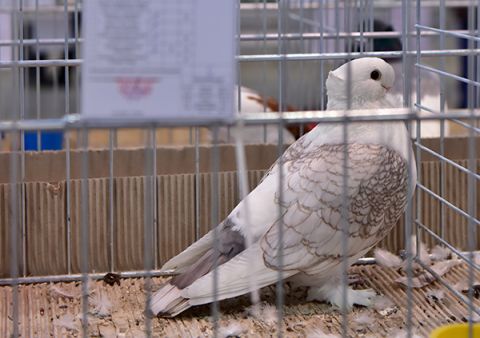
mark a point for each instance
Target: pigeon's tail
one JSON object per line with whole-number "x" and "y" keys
{"x": 168, "y": 301}
{"x": 194, "y": 286}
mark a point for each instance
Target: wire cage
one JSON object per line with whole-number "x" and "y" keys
{"x": 90, "y": 211}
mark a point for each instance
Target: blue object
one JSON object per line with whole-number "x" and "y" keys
{"x": 50, "y": 140}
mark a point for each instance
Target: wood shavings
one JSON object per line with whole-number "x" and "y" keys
{"x": 133, "y": 332}
{"x": 426, "y": 278}
{"x": 443, "y": 267}
{"x": 384, "y": 306}
{"x": 66, "y": 321}
{"x": 234, "y": 329}
{"x": 108, "y": 331}
{"x": 318, "y": 333}
{"x": 91, "y": 319}
{"x": 403, "y": 334}
{"x": 387, "y": 259}
{"x": 475, "y": 318}
{"x": 436, "y": 294}
{"x": 440, "y": 253}
{"x": 101, "y": 304}
{"x": 62, "y": 292}
{"x": 463, "y": 287}
{"x": 363, "y": 319}
{"x": 300, "y": 319}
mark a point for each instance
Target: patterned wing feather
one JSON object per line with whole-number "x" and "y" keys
{"x": 314, "y": 183}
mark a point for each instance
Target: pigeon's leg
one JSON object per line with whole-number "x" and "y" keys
{"x": 332, "y": 293}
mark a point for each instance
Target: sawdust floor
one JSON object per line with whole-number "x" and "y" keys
{"x": 43, "y": 312}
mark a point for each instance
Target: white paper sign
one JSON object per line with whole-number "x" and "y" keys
{"x": 159, "y": 58}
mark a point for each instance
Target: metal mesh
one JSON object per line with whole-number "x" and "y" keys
{"x": 91, "y": 199}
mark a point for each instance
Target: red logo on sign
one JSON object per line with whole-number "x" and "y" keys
{"x": 135, "y": 88}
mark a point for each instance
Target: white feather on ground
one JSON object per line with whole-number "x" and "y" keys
{"x": 66, "y": 321}
{"x": 423, "y": 254}
{"x": 383, "y": 305}
{"x": 403, "y": 334}
{"x": 387, "y": 259}
{"x": 318, "y": 333}
{"x": 58, "y": 291}
{"x": 102, "y": 305}
{"x": 364, "y": 319}
{"x": 233, "y": 329}
{"x": 436, "y": 294}
{"x": 426, "y": 278}
{"x": 265, "y": 313}
{"x": 462, "y": 286}
{"x": 440, "y": 253}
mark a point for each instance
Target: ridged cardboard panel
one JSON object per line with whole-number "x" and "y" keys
{"x": 176, "y": 213}
{"x": 97, "y": 224}
{"x": 6, "y": 229}
{"x": 46, "y": 237}
{"x": 129, "y": 223}
{"x": 46, "y": 228}
{"x": 50, "y": 166}
{"x": 455, "y": 225}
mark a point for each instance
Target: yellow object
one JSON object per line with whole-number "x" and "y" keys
{"x": 455, "y": 331}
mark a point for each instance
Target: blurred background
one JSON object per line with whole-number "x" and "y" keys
{"x": 314, "y": 31}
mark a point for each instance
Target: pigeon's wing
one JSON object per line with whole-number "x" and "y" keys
{"x": 190, "y": 255}
{"x": 263, "y": 192}
{"x": 234, "y": 278}
{"x": 376, "y": 191}
{"x": 293, "y": 153}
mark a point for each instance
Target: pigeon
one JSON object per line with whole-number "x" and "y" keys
{"x": 252, "y": 102}
{"x": 380, "y": 174}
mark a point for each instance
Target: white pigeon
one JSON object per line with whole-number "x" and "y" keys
{"x": 312, "y": 202}
{"x": 252, "y": 102}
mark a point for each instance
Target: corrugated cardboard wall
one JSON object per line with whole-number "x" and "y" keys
{"x": 46, "y": 237}
{"x": 456, "y": 192}
{"x": 6, "y": 218}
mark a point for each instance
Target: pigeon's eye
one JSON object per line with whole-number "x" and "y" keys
{"x": 375, "y": 75}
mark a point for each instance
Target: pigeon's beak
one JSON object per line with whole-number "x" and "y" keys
{"x": 386, "y": 88}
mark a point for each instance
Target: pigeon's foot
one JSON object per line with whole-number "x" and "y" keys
{"x": 333, "y": 295}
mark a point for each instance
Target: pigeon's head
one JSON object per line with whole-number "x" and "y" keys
{"x": 370, "y": 79}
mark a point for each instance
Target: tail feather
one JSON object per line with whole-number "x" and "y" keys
{"x": 168, "y": 301}
{"x": 176, "y": 309}
{"x": 190, "y": 255}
